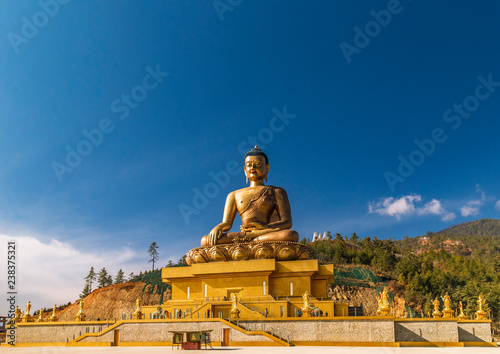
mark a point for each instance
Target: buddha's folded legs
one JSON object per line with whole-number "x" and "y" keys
{"x": 281, "y": 235}
{"x": 226, "y": 237}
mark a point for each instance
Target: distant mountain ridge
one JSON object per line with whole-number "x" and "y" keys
{"x": 481, "y": 227}
{"x": 479, "y": 239}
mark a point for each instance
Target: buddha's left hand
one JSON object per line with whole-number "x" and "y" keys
{"x": 253, "y": 225}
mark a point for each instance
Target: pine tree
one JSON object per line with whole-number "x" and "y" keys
{"x": 120, "y": 277}
{"x": 131, "y": 276}
{"x": 109, "y": 280}
{"x": 182, "y": 261}
{"x": 102, "y": 278}
{"x": 85, "y": 291}
{"x": 153, "y": 253}
{"x": 354, "y": 238}
{"x": 90, "y": 278}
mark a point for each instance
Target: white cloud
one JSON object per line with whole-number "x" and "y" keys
{"x": 434, "y": 207}
{"x": 395, "y": 207}
{"x": 497, "y": 205}
{"x": 406, "y": 206}
{"x": 472, "y": 206}
{"x": 52, "y": 273}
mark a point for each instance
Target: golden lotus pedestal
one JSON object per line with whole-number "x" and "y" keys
{"x": 262, "y": 286}
{"x": 384, "y": 311}
{"x": 481, "y": 315}
{"x": 280, "y": 250}
{"x": 447, "y": 313}
{"x": 27, "y": 318}
{"x": 437, "y": 314}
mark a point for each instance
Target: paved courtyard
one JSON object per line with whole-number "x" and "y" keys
{"x": 258, "y": 350}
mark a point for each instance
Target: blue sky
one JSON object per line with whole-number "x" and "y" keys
{"x": 171, "y": 92}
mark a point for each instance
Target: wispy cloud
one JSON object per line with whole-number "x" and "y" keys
{"x": 434, "y": 207}
{"x": 497, "y": 205}
{"x": 472, "y": 207}
{"x": 406, "y": 205}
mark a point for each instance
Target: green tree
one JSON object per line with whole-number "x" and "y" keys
{"x": 109, "y": 280}
{"x": 102, "y": 278}
{"x": 85, "y": 291}
{"x": 120, "y": 277}
{"x": 182, "y": 261}
{"x": 354, "y": 238}
{"x": 90, "y": 278}
{"x": 131, "y": 276}
{"x": 153, "y": 253}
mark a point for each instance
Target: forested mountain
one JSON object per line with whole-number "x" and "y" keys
{"x": 463, "y": 260}
{"x": 482, "y": 227}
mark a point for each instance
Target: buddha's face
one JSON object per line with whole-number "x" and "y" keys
{"x": 256, "y": 168}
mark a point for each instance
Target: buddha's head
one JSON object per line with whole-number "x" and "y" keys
{"x": 256, "y": 165}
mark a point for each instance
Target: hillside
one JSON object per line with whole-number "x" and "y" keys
{"x": 463, "y": 260}
{"x": 482, "y": 227}
{"x": 110, "y": 302}
{"x": 477, "y": 239}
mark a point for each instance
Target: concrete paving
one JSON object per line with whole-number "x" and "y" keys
{"x": 255, "y": 350}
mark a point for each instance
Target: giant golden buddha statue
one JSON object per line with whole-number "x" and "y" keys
{"x": 266, "y": 217}
{"x": 264, "y": 210}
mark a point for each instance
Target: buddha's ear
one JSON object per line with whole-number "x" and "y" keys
{"x": 244, "y": 170}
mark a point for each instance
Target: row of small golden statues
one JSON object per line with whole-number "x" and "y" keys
{"x": 448, "y": 312}
{"x": 384, "y": 308}
{"x": 25, "y": 317}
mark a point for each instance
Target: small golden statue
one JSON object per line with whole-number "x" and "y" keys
{"x": 306, "y": 309}
{"x": 18, "y": 314}
{"x": 384, "y": 307}
{"x": 53, "y": 317}
{"x": 447, "y": 311}
{"x": 462, "y": 314}
{"x": 80, "y": 316}
{"x": 266, "y": 218}
{"x": 436, "y": 313}
{"x": 480, "y": 313}
{"x": 235, "y": 312}
{"x": 40, "y": 316}
{"x": 26, "y": 317}
{"x": 138, "y": 310}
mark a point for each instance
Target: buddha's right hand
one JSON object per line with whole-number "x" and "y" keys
{"x": 214, "y": 235}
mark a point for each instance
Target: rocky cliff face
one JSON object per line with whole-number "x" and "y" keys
{"x": 368, "y": 298}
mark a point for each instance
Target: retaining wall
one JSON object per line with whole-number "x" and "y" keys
{"x": 300, "y": 331}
